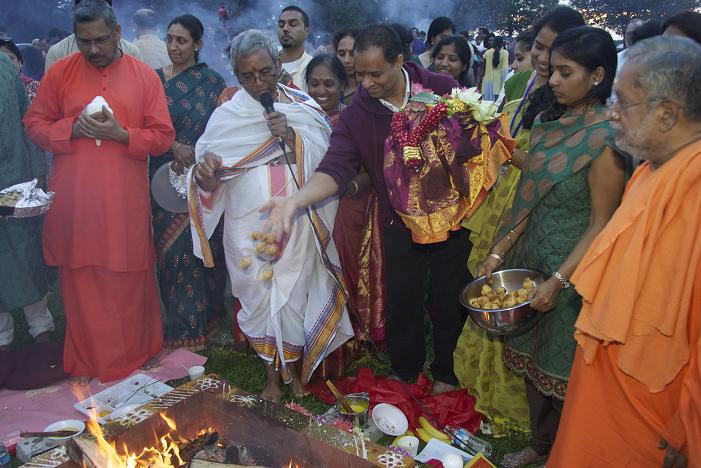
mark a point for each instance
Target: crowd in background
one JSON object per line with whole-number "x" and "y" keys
{"x": 573, "y": 106}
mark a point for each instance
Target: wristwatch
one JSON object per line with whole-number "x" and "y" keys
{"x": 565, "y": 284}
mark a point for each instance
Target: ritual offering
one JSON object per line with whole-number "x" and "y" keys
{"x": 501, "y": 304}
{"x": 442, "y": 157}
{"x": 499, "y": 298}
{"x": 25, "y": 200}
{"x": 267, "y": 247}
{"x": 96, "y": 110}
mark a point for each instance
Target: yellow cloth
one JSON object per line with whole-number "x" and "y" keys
{"x": 479, "y": 366}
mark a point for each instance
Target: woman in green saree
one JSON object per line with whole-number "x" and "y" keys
{"x": 192, "y": 295}
{"x": 570, "y": 186}
{"x": 479, "y": 365}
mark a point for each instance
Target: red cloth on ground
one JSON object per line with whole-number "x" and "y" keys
{"x": 113, "y": 321}
{"x": 456, "y": 408}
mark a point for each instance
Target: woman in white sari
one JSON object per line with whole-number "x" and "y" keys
{"x": 293, "y": 307}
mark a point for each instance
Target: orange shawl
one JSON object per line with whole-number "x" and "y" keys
{"x": 636, "y": 280}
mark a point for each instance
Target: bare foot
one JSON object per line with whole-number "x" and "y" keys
{"x": 151, "y": 364}
{"x": 80, "y": 380}
{"x": 272, "y": 391}
{"x": 523, "y": 457}
{"x": 442, "y": 387}
{"x": 296, "y": 384}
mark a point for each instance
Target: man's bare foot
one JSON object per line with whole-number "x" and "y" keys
{"x": 80, "y": 381}
{"x": 43, "y": 337}
{"x": 442, "y": 387}
{"x": 272, "y": 391}
{"x": 151, "y": 364}
{"x": 296, "y": 384}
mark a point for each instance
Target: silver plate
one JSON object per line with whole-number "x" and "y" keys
{"x": 163, "y": 192}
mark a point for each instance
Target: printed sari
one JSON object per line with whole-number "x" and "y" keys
{"x": 192, "y": 295}
{"x": 554, "y": 201}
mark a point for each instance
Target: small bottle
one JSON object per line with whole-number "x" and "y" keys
{"x": 4, "y": 457}
{"x": 470, "y": 443}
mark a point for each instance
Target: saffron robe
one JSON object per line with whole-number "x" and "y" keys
{"x": 101, "y": 216}
{"x": 636, "y": 376}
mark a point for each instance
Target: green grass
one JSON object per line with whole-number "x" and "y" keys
{"x": 246, "y": 371}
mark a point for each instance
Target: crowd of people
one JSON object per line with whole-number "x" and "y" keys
{"x": 284, "y": 204}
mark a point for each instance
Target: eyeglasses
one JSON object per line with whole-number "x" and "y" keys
{"x": 100, "y": 41}
{"x": 615, "y": 105}
{"x": 263, "y": 76}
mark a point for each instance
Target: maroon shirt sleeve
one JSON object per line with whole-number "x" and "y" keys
{"x": 342, "y": 159}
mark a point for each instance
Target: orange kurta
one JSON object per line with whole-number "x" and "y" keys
{"x": 98, "y": 231}
{"x": 636, "y": 376}
{"x": 101, "y": 215}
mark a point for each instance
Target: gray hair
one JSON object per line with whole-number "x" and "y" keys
{"x": 669, "y": 68}
{"x": 88, "y": 11}
{"x": 251, "y": 41}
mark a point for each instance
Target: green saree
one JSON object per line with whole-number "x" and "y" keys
{"x": 553, "y": 195}
{"x": 193, "y": 295}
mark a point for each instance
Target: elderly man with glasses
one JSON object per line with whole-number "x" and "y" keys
{"x": 293, "y": 308}
{"x": 634, "y": 397}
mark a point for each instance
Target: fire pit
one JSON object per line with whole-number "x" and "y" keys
{"x": 206, "y": 424}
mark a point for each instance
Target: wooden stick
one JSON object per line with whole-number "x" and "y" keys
{"x": 63, "y": 433}
{"x": 340, "y": 398}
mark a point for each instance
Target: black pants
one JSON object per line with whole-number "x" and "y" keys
{"x": 407, "y": 267}
{"x": 545, "y": 418}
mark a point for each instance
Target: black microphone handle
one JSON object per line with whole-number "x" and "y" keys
{"x": 266, "y": 100}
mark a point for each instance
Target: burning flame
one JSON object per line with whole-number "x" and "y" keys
{"x": 164, "y": 453}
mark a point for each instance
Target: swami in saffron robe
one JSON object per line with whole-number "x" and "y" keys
{"x": 636, "y": 376}
{"x": 98, "y": 231}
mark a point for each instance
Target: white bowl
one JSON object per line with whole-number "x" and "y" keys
{"x": 195, "y": 372}
{"x": 390, "y": 419}
{"x": 65, "y": 425}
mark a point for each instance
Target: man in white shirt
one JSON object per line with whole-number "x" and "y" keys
{"x": 292, "y": 31}
{"x": 153, "y": 50}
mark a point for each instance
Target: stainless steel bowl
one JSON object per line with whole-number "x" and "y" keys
{"x": 502, "y": 321}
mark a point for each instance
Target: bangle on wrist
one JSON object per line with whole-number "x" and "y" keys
{"x": 496, "y": 257}
{"x": 356, "y": 187}
{"x": 563, "y": 282}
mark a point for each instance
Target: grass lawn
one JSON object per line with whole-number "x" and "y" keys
{"x": 246, "y": 371}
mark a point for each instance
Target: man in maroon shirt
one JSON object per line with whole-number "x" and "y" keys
{"x": 358, "y": 139}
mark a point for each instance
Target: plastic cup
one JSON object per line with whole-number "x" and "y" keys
{"x": 195, "y": 372}
{"x": 410, "y": 444}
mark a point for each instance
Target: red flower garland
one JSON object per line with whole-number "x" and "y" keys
{"x": 409, "y": 143}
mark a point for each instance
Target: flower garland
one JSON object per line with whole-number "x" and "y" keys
{"x": 460, "y": 101}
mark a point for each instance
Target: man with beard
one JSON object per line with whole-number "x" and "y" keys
{"x": 634, "y": 397}
{"x": 98, "y": 231}
{"x": 358, "y": 140}
{"x": 69, "y": 45}
{"x": 292, "y": 31}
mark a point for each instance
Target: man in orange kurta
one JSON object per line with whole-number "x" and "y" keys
{"x": 634, "y": 397}
{"x": 98, "y": 231}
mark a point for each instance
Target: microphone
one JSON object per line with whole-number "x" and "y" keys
{"x": 266, "y": 100}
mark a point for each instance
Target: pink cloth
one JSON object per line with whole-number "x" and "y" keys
{"x": 33, "y": 410}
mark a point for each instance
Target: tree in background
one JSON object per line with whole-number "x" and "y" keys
{"x": 616, "y": 14}
{"x": 507, "y": 16}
